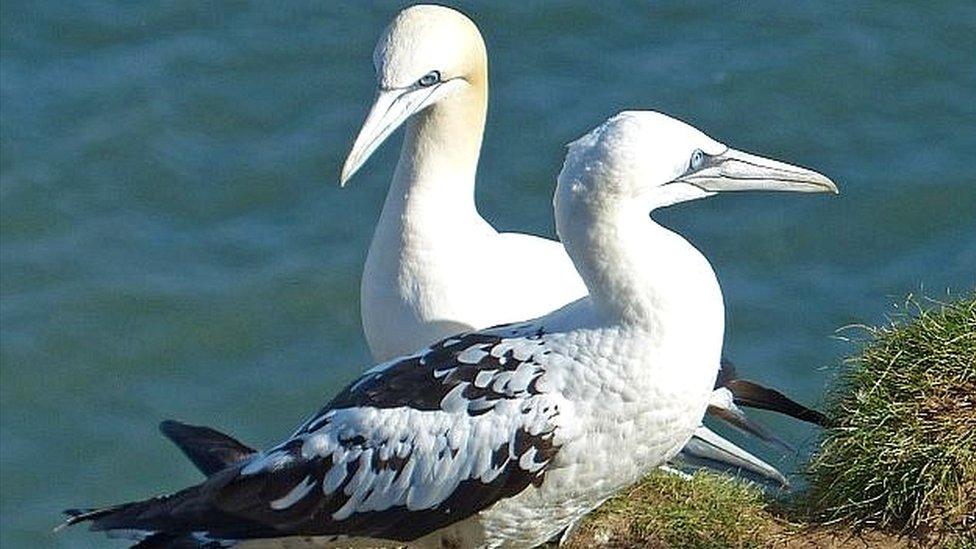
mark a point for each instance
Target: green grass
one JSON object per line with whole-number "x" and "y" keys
{"x": 664, "y": 510}
{"x": 902, "y": 455}
{"x": 898, "y": 468}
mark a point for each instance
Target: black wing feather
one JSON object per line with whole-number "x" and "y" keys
{"x": 208, "y": 449}
{"x": 753, "y": 395}
{"x": 235, "y": 501}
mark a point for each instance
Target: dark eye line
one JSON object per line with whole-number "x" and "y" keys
{"x": 429, "y": 79}
{"x": 707, "y": 161}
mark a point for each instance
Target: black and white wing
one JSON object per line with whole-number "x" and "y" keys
{"x": 412, "y": 446}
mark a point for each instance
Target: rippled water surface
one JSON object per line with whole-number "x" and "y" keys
{"x": 174, "y": 242}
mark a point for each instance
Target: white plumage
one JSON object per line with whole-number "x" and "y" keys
{"x": 435, "y": 267}
{"x": 506, "y": 436}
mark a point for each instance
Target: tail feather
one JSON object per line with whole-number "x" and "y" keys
{"x": 74, "y": 516}
{"x": 733, "y": 415}
{"x": 170, "y": 541}
{"x": 151, "y": 515}
{"x": 209, "y": 450}
{"x": 185, "y": 518}
{"x": 176, "y": 519}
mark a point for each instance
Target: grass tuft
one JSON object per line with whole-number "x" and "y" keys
{"x": 902, "y": 455}
{"x": 665, "y": 510}
{"x": 897, "y": 469}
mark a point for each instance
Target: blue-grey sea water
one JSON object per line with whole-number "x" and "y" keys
{"x": 175, "y": 243}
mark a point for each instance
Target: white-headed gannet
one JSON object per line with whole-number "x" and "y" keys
{"x": 435, "y": 266}
{"x": 506, "y": 436}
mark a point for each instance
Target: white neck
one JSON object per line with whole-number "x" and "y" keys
{"x": 429, "y": 219}
{"x": 435, "y": 176}
{"x": 637, "y": 272}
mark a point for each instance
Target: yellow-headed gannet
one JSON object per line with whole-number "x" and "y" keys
{"x": 505, "y": 436}
{"x": 435, "y": 266}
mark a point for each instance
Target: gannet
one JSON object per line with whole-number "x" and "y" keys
{"x": 211, "y": 450}
{"x": 435, "y": 266}
{"x": 506, "y": 436}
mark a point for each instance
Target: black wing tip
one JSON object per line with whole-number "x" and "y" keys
{"x": 168, "y": 425}
{"x": 208, "y": 449}
{"x": 172, "y": 429}
{"x": 754, "y": 395}
{"x": 818, "y": 418}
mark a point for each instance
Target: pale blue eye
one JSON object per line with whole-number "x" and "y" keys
{"x": 697, "y": 159}
{"x": 429, "y": 79}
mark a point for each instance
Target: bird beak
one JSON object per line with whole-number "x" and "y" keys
{"x": 735, "y": 170}
{"x": 390, "y": 109}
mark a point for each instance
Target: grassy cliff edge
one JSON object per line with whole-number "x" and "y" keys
{"x": 897, "y": 470}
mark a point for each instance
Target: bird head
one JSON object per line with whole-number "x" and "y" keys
{"x": 651, "y": 159}
{"x": 426, "y": 54}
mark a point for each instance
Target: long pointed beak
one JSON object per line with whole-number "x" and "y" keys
{"x": 735, "y": 170}
{"x": 390, "y": 109}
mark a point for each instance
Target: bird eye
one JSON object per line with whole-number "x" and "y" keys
{"x": 429, "y": 79}
{"x": 697, "y": 159}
